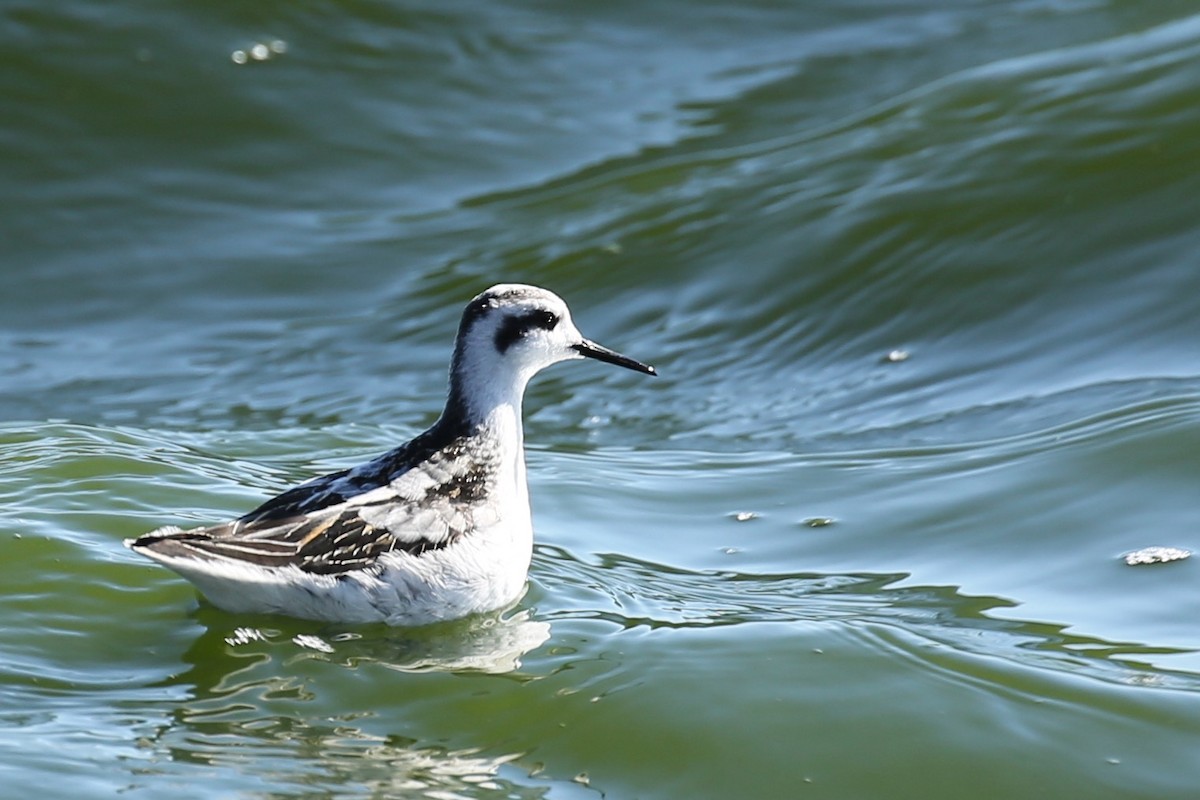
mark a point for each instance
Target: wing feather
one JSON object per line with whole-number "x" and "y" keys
{"x": 340, "y": 539}
{"x": 406, "y": 500}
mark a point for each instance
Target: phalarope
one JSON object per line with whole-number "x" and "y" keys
{"x": 436, "y": 529}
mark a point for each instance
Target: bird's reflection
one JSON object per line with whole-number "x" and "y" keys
{"x": 491, "y": 644}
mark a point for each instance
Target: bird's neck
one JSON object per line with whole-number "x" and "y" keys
{"x": 489, "y": 414}
{"x": 481, "y": 398}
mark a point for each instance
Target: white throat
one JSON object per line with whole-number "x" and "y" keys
{"x": 487, "y": 403}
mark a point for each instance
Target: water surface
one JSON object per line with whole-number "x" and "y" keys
{"x": 789, "y": 566}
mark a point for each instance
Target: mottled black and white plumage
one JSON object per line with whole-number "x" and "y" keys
{"x": 435, "y": 529}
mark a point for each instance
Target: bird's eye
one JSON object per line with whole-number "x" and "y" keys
{"x": 545, "y": 319}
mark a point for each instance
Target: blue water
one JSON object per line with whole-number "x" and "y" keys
{"x": 790, "y": 565}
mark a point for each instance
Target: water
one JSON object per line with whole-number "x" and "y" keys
{"x": 787, "y": 567}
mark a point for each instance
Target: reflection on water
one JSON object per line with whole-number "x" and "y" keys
{"x": 280, "y": 752}
{"x": 488, "y": 644}
{"x": 252, "y": 685}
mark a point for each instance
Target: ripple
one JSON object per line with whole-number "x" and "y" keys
{"x": 633, "y": 594}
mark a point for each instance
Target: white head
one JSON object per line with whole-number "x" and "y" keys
{"x": 507, "y": 335}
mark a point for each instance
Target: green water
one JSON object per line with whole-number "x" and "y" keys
{"x": 788, "y": 567}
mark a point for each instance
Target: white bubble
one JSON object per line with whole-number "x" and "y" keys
{"x": 1156, "y": 555}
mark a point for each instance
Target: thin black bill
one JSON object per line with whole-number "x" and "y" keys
{"x": 600, "y": 353}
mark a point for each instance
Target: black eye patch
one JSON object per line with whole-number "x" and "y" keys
{"x": 543, "y": 319}
{"x": 517, "y": 326}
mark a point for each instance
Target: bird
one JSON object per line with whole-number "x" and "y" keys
{"x": 436, "y": 529}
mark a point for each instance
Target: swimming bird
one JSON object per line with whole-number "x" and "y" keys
{"x": 436, "y": 529}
